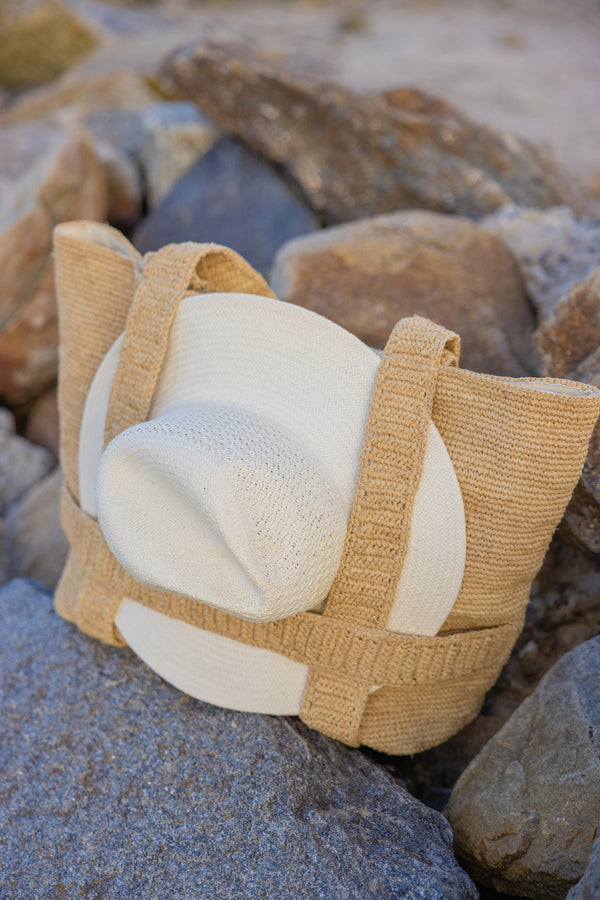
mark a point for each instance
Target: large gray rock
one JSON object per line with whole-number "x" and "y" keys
{"x": 356, "y": 155}
{"x": 232, "y": 197}
{"x": 525, "y": 812}
{"x": 553, "y": 248}
{"x": 35, "y": 542}
{"x": 115, "y": 784}
{"x": 21, "y": 464}
{"x": 3, "y": 555}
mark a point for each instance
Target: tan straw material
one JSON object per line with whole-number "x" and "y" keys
{"x": 517, "y": 448}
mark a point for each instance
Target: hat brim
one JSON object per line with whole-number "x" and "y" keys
{"x": 314, "y": 379}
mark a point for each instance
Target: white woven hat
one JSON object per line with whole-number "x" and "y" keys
{"x": 237, "y": 492}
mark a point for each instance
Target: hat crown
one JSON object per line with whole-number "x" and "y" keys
{"x": 235, "y": 512}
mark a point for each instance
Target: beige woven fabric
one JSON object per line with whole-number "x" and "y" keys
{"x": 517, "y": 447}
{"x": 95, "y": 281}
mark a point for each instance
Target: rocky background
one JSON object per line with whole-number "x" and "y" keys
{"x": 292, "y": 132}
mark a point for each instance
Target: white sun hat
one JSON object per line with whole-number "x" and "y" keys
{"x": 238, "y": 489}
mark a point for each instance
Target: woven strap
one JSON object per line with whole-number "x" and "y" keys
{"x": 375, "y": 656}
{"x": 167, "y": 276}
{"x": 377, "y": 538}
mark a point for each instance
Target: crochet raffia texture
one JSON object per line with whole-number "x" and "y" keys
{"x": 517, "y": 453}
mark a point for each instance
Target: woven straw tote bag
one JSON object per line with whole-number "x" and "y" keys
{"x": 517, "y": 447}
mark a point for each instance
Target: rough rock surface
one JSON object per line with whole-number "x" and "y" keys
{"x": 142, "y": 786}
{"x": 589, "y": 886}
{"x": 525, "y": 812}
{"x": 39, "y": 41}
{"x": 553, "y": 247}
{"x": 569, "y": 341}
{"x": 572, "y": 332}
{"x": 176, "y": 135}
{"x": 76, "y": 95}
{"x": 35, "y": 543}
{"x": 367, "y": 275}
{"x": 3, "y": 555}
{"x": 231, "y": 197}
{"x": 21, "y": 464}
{"x": 411, "y": 99}
{"x": 47, "y": 176}
{"x": 356, "y": 155}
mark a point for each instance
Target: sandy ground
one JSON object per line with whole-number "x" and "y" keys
{"x": 528, "y": 66}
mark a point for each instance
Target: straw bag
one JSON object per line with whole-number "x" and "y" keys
{"x": 514, "y": 449}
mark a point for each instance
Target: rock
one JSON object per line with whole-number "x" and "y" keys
{"x": 47, "y": 176}
{"x": 35, "y": 543}
{"x": 526, "y": 810}
{"x": 124, "y": 192}
{"x": 589, "y": 886}
{"x": 3, "y": 555}
{"x": 569, "y": 342}
{"x": 160, "y": 143}
{"x": 42, "y": 422}
{"x": 412, "y": 99}
{"x": 581, "y": 522}
{"x": 39, "y": 42}
{"x": 75, "y": 96}
{"x": 21, "y": 464}
{"x": 175, "y": 136}
{"x": 369, "y": 274}
{"x": 122, "y": 127}
{"x": 554, "y": 249}
{"x": 231, "y": 197}
{"x": 356, "y": 155}
{"x": 572, "y": 331}
{"x": 139, "y": 784}
{"x": 164, "y": 139}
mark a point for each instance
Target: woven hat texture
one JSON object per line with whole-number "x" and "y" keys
{"x": 515, "y": 447}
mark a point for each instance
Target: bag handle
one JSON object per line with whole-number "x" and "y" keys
{"x": 167, "y": 276}
{"x": 376, "y": 543}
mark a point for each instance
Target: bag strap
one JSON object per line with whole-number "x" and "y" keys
{"x": 391, "y": 465}
{"x": 94, "y": 584}
{"x": 167, "y": 276}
